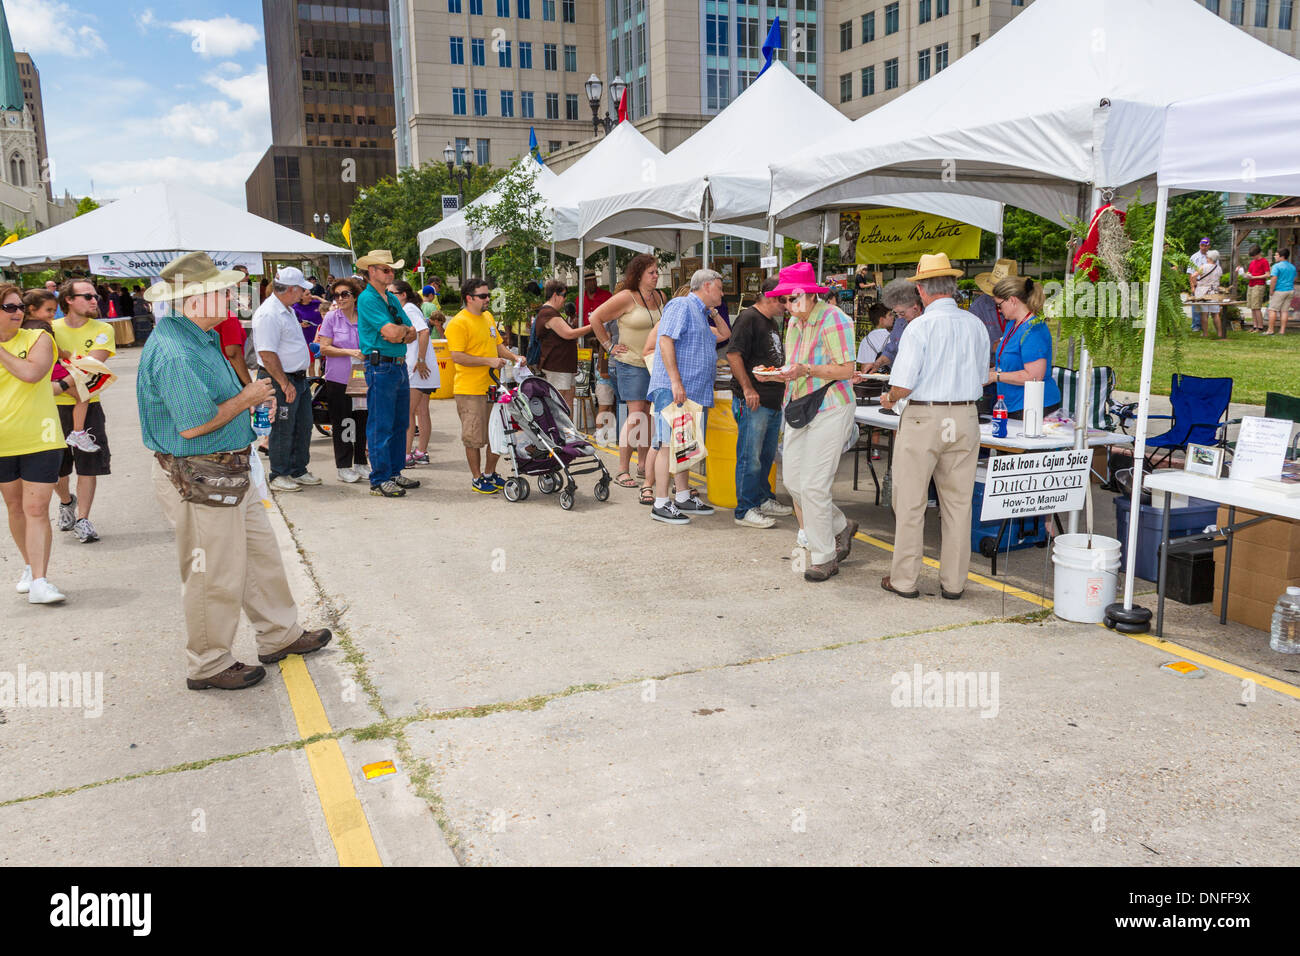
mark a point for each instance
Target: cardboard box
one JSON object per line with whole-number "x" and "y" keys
{"x": 1254, "y": 585}
{"x": 1243, "y": 610}
{"x": 1280, "y": 533}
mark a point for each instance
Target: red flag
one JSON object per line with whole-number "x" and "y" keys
{"x": 622, "y": 106}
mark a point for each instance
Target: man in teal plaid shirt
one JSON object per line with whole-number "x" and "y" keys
{"x": 191, "y": 404}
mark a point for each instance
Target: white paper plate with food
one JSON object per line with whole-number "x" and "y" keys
{"x": 769, "y": 372}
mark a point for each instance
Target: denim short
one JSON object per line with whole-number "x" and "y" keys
{"x": 660, "y": 399}
{"x": 632, "y": 382}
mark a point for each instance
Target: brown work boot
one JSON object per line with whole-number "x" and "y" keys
{"x": 844, "y": 541}
{"x": 822, "y": 572}
{"x": 235, "y": 677}
{"x": 308, "y": 642}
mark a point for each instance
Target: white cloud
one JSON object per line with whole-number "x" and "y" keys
{"x": 51, "y": 26}
{"x": 219, "y": 37}
{"x": 145, "y": 20}
{"x": 223, "y": 177}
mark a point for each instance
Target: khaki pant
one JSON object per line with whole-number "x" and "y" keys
{"x": 940, "y": 442}
{"x": 810, "y": 457}
{"x": 229, "y": 559}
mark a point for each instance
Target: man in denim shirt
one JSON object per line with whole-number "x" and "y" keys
{"x": 685, "y": 368}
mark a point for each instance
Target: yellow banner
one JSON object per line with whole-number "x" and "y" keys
{"x": 894, "y": 236}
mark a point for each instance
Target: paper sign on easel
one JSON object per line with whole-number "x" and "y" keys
{"x": 1040, "y": 483}
{"x": 1261, "y": 448}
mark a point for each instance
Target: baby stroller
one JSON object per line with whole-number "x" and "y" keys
{"x": 530, "y": 427}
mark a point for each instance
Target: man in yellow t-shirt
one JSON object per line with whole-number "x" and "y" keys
{"x": 80, "y": 332}
{"x": 474, "y": 342}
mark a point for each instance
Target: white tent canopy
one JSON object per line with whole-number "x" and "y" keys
{"x": 454, "y": 231}
{"x": 165, "y": 217}
{"x": 1250, "y": 149}
{"x": 1069, "y": 92}
{"x": 740, "y": 141}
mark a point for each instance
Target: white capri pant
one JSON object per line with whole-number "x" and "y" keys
{"x": 810, "y": 459}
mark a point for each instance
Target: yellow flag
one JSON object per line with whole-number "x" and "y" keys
{"x": 312, "y": 234}
{"x": 347, "y": 231}
{"x": 12, "y": 237}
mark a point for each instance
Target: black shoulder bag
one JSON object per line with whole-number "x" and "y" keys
{"x": 801, "y": 412}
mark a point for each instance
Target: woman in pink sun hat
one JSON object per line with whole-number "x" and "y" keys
{"x": 818, "y": 409}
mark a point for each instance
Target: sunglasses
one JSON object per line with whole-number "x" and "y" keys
{"x": 83, "y": 295}
{"x": 11, "y": 307}
{"x": 343, "y": 295}
{"x": 479, "y": 295}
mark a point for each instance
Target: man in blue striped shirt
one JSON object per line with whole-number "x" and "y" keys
{"x": 191, "y": 405}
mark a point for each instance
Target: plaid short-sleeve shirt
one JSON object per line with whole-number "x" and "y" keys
{"x": 825, "y": 338}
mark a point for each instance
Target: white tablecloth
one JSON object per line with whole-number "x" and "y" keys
{"x": 876, "y": 417}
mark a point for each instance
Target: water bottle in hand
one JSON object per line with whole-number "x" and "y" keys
{"x": 1286, "y": 623}
{"x": 1000, "y": 418}
{"x": 262, "y": 419}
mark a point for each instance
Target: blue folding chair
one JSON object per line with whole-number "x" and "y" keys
{"x": 1200, "y": 412}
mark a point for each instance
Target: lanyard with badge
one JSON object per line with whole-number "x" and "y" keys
{"x": 1006, "y": 339}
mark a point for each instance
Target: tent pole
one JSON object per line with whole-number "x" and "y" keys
{"x": 677, "y": 251}
{"x": 1138, "y": 619}
{"x": 582, "y": 285}
{"x": 704, "y": 263}
{"x": 552, "y": 258}
{"x": 771, "y": 238}
{"x": 821, "y": 248}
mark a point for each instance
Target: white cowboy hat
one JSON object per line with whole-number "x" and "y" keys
{"x": 934, "y": 266}
{"x": 1001, "y": 270}
{"x": 193, "y": 273}
{"x": 379, "y": 257}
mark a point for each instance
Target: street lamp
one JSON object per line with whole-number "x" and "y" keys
{"x": 318, "y": 219}
{"x": 461, "y": 172}
{"x": 594, "y": 87}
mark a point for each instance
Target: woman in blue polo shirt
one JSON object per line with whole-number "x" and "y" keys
{"x": 1024, "y": 353}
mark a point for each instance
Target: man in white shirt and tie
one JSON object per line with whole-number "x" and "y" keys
{"x": 940, "y": 371}
{"x": 283, "y": 357}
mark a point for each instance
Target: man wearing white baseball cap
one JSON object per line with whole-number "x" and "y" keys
{"x": 283, "y": 357}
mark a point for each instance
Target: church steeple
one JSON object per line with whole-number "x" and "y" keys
{"x": 11, "y": 87}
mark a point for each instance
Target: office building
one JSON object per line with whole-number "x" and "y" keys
{"x": 330, "y": 74}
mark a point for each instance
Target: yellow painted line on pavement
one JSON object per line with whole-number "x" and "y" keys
{"x": 344, "y": 817}
{"x": 1169, "y": 647}
{"x": 1160, "y": 644}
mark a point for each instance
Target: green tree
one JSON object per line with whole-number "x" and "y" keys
{"x": 85, "y": 204}
{"x": 392, "y": 213}
{"x": 1029, "y": 238}
{"x": 1195, "y": 215}
{"x": 517, "y": 217}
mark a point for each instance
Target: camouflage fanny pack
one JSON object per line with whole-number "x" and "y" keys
{"x": 220, "y": 480}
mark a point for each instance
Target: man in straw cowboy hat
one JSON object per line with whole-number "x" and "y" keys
{"x": 383, "y": 330}
{"x": 941, "y": 368}
{"x": 194, "y": 417}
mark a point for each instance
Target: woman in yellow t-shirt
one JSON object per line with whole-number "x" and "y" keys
{"x": 31, "y": 443}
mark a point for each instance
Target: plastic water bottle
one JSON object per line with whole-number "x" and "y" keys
{"x": 1286, "y": 623}
{"x": 262, "y": 420}
{"x": 1000, "y": 418}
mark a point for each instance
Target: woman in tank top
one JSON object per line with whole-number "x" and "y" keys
{"x": 637, "y": 306}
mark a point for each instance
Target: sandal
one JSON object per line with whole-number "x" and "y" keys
{"x": 624, "y": 480}
{"x": 640, "y": 473}
{"x": 647, "y": 494}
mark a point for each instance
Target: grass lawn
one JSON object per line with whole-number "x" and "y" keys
{"x": 1255, "y": 363}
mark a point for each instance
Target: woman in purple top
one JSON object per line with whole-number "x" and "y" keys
{"x": 339, "y": 347}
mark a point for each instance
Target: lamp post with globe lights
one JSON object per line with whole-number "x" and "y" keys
{"x": 460, "y": 174}
{"x": 593, "y": 88}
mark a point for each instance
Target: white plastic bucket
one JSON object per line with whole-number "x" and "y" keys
{"x": 1085, "y": 578}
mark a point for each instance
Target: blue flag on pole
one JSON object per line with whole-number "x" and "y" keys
{"x": 771, "y": 45}
{"x": 532, "y": 145}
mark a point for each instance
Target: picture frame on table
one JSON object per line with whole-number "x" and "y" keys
{"x": 727, "y": 266}
{"x": 1204, "y": 460}
{"x": 751, "y": 280}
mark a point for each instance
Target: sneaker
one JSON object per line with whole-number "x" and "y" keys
{"x": 25, "y": 582}
{"x": 307, "y": 478}
{"x": 67, "y": 514}
{"x": 348, "y": 475}
{"x": 774, "y": 509}
{"x": 403, "y": 482}
{"x": 284, "y": 483}
{"x": 669, "y": 514}
{"x": 410, "y": 461}
{"x": 822, "y": 572}
{"x": 483, "y": 486}
{"x": 363, "y": 471}
{"x": 85, "y": 532}
{"x": 756, "y": 519}
{"x": 43, "y": 592}
{"x": 388, "y": 489}
{"x": 82, "y": 441}
{"x": 844, "y": 541}
{"x": 694, "y": 506}
{"x": 496, "y": 479}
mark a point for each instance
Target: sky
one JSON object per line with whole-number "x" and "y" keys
{"x": 137, "y": 93}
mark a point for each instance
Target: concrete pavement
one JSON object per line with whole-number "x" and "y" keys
{"x": 593, "y": 687}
